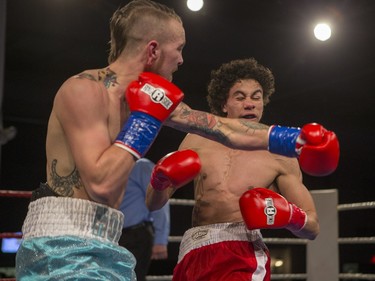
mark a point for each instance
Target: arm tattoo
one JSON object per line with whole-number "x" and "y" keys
{"x": 64, "y": 185}
{"x": 252, "y": 125}
{"x": 199, "y": 122}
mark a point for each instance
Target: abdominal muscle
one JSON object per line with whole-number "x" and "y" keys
{"x": 216, "y": 207}
{"x": 219, "y": 186}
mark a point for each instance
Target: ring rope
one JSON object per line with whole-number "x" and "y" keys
{"x": 190, "y": 202}
{"x": 280, "y": 241}
{"x": 345, "y": 276}
{"x": 357, "y": 240}
{"x": 297, "y": 276}
{"x": 299, "y": 241}
{"x": 357, "y": 276}
{"x": 15, "y": 193}
{"x": 10, "y": 235}
{"x": 182, "y": 202}
{"x": 356, "y": 206}
{"x": 340, "y": 207}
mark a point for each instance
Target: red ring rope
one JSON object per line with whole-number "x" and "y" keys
{"x": 10, "y": 235}
{"x": 15, "y": 193}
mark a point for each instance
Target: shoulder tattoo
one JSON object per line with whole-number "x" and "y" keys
{"x": 85, "y": 75}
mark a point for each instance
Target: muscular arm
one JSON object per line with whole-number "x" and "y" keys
{"x": 81, "y": 108}
{"x": 155, "y": 200}
{"x": 290, "y": 185}
{"x": 234, "y": 133}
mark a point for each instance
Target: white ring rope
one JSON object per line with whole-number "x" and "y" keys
{"x": 340, "y": 207}
{"x": 299, "y": 276}
{"x": 277, "y": 241}
{"x": 356, "y": 206}
{"x": 357, "y": 276}
{"x": 182, "y": 202}
{"x": 299, "y": 241}
{"x": 283, "y": 241}
{"x": 357, "y": 240}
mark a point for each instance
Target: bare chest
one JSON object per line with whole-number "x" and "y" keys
{"x": 234, "y": 171}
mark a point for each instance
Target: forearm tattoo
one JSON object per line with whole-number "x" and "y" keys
{"x": 202, "y": 122}
{"x": 63, "y": 186}
{"x": 252, "y": 125}
{"x": 211, "y": 126}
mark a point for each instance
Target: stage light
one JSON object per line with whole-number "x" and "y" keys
{"x": 279, "y": 263}
{"x": 322, "y": 31}
{"x": 195, "y": 5}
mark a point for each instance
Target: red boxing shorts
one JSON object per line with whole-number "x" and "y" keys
{"x": 225, "y": 251}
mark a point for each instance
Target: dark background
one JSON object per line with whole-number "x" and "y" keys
{"x": 328, "y": 82}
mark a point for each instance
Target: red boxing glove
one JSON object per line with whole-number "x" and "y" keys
{"x": 320, "y": 154}
{"x": 176, "y": 169}
{"x": 153, "y": 95}
{"x": 262, "y": 208}
{"x": 151, "y": 100}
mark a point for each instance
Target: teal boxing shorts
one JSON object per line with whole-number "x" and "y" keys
{"x": 72, "y": 239}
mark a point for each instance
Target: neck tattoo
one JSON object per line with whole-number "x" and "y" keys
{"x": 108, "y": 77}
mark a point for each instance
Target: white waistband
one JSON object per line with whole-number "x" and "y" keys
{"x": 200, "y": 236}
{"x": 56, "y": 216}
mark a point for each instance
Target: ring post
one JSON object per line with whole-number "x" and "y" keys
{"x": 323, "y": 253}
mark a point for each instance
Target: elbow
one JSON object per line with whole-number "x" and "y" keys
{"x": 106, "y": 195}
{"x": 152, "y": 206}
{"x": 312, "y": 236}
{"x": 148, "y": 204}
{"x": 313, "y": 233}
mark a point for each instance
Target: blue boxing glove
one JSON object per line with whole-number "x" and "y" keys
{"x": 285, "y": 141}
{"x": 316, "y": 148}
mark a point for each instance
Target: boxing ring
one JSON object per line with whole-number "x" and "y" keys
{"x": 322, "y": 254}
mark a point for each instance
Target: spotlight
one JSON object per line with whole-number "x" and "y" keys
{"x": 322, "y": 31}
{"x": 195, "y": 5}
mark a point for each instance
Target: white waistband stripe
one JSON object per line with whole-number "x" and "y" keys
{"x": 56, "y": 216}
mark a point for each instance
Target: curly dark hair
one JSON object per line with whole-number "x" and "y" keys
{"x": 223, "y": 78}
